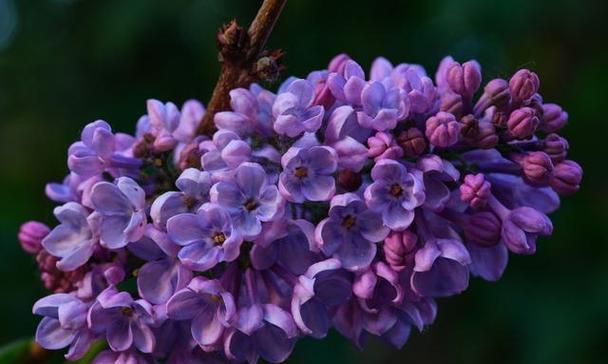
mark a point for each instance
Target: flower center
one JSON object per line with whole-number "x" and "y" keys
{"x": 396, "y": 190}
{"x": 219, "y": 238}
{"x": 349, "y": 221}
{"x": 127, "y": 311}
{"x": 301, "y": 172}
{"x": 189, "y": 201}
{"x": 251, "y": 204}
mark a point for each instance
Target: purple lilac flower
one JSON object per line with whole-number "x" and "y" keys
{"x": 207, "y": 305}
{"x": 251, "y": 111}
{"x": 72, "y": 241}
{"x": 237, "y": 241}
{"x": 294, "y": 111}
{"x": 124, "y": 321}
{"x": 120, "y": 207}
{"x": 193, "y": 185}
{"x": 322, "y": 287}
{"x": 395, "y": 194}
{"x": 351, "y": 232}
{"x": 100, "y": 150}
{"x": 164, "y": 273}
{"x": 307, "y": 174}
{"x": 249, "y": 199}
{"x": 207, "y": 237}
{"x": 64, "y": 324}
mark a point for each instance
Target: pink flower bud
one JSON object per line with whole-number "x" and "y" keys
{"x": 399, "y": 248}
{"x": 383, "y": 146}
{"x": 554, "y": 118}
{"x": 495, "y": 93}
{"x": 412, "y": 142}
{"x": 566, "y": 178}
{"x": 475, "y": 190}
{"x": 556, "y": 147}
{"x": 464, "y": 79}
{"x": 31, "y": 234}
{"x": 523, "y": 85}
{"x": 483, "y": 228}
{"x": 338, "y": 63}
{"x": 452, "y": 103}
{"x": 537, "y": 167}
{"x": 487, "y": 137}
{"x": 522, "y": 123}
{"x": 442, "y": 130}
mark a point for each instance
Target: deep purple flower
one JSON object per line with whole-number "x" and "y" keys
{"x": 120, "y": 206}
{"x": 209, "y": 307}
{"x": 441, "y": 268}
{"x": 287, "y": 243}
{"x": 351, "y": 232}
{"x": 224, "y": 153}
{"x": 123, "y": 357}
{"x": 323, "y": 286}
{"x": 420, "y": 90}
{"x": 124, "y": 321}
{"x": 521, "y": 226}
{"x": 163, "y": 274}
{"x": 73, "y": 240}
{"x": 307, "y": 174}
{"x": 207, "y": 237}
{"x": 294, "y": 111}
{"x": 348, "y": 86}
{"x": 249, "y": 199}
{"x": 436, "y": 174}
{"x": 193, "y": 185}
{"x": 395, "y": 194}
{"x": 64, "y": 324}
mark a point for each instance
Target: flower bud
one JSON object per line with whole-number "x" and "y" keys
{"x": 483, "y": 228}
{"x": 537, "y": 167}
{"x": 399, "y": 248}
{"x": 464, "y": 79}
{"x": 522, "y": 123}
{"x": 412, "y": 142}
{"x": 452, "y": 103}
{"x": 349, "y": 180}
{"x": 31, "y": 234}
{"x": 469, "y": 128}
{"x": 495, "y": 93}
{"x": 554, "y": 118}
{"x": 338, "y": 63}
{"x": 556, "y": 147}
{"x": 190, "y": 156}
{"x": 383, "y": 146}
{"x": 475, "y": 190}
{"x": 566, "y": 178}
{"x": 536, "y": 102}
{"x": 442, "y": 130}
{"x": 523, "y": 85}
{"x": 487, "y": 137}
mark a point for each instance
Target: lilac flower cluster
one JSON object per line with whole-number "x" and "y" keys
{"x": 345, "y": 200}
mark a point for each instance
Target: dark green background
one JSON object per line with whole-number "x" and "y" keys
{"x": 65, "y": 63}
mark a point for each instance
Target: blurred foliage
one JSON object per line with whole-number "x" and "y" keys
{"x": 64, "y": 63}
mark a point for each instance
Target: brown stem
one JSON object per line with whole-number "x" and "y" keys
{"x": 239, "y": 54}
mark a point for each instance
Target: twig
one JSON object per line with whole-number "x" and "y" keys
{"x": 243, "y": 59}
